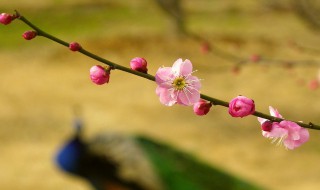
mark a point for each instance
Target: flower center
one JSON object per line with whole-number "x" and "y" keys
{"x": 179, "y": 83}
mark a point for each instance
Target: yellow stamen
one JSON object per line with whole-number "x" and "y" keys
{"x": 179, "y": 83}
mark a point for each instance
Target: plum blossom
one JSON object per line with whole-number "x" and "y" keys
{"x": 176, "y": 85}
{"x": 296, "y": 135}
{"x": 288, "y": 133}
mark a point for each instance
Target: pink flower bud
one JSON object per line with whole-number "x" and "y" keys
{"x": 139, "y": 64}
{"x": 236, "y": 69}
{"x": 205, "y": 47}
{"x": 255, "y": 58}
{"x": 6, "y": 18}
{"x": 313, "y": 84}
{"x": 28, "y": 35}
{"x": 241, "y": 106}
{"x": 201, "y": 107}
{"x": 99, "y": 75}
{"x": 266, "y": 126}
{"x": 74, "y": 46}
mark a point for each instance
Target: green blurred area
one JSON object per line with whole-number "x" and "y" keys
{"x": 42, "y": 83}
{"x": 181, "y": 171}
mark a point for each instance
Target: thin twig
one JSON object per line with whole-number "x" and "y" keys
{"x": 214, "y": 101}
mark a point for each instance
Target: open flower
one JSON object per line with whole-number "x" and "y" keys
{"x": 176, "y": 85}
{"x": 288, "y": 133}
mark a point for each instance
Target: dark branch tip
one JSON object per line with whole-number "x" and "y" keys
{"x": 311, "y": 124}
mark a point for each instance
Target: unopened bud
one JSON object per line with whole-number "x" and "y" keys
{"x": 74, "y": 46}
{"x": 99, "y": 75}
{"x": 29, "y": 35}
{"x": 201, "y": 107}
{"x": 139, "y": 64}
{"x": 313, "y": 84}
{"x": 205, "y": 47}
{"x": 266, "y": 126}
{"x": 6, "y": 18}
{"x": 241, "y": 106}
{"x": 255, "y": 58}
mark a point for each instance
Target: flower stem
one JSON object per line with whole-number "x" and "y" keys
{"x": 214, "y": 101}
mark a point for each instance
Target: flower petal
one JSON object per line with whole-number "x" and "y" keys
{"x": 182, "y": 68}
{"x": 163, "y": 76}
{"x": 166, "y": 96}
{"x": 304, "y": 135}
{"x": 274, "y": 112}
{"x": 261, "y": 120}
{"x": 193, "y": 82}
{"x": 276, "y": 132}
{"x": 289, "y": 143}
{"x": 188, "y": 97}
{"x": 296, "y": 136}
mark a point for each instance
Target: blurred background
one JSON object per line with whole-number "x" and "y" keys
{"x": 42, "y": 83}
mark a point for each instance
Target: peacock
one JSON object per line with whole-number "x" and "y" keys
{"x": 113, "y": 161}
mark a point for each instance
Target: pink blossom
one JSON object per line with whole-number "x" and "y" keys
{"x": 287, "y": 132}
{"x": 201, "y": 107}
{"x": 99, "y": 75}
{"x": 241, "y": 106}
{"x": 6, "y": 18}
{"x": 176, "y": 85}
{"x": 274, "y": 131}
{"x": 29, "y": 35}
{"x": 296, "y": 135}
{"x": 74, "y": 46}
{"x": 139, "y": 64}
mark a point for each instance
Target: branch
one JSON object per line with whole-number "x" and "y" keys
{"x": 115, "y": 66}
{"x": 241, "y": 61}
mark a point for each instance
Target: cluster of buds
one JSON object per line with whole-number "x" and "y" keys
{"x": 6, "y": 19}
{"x": 101, "y": 75}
